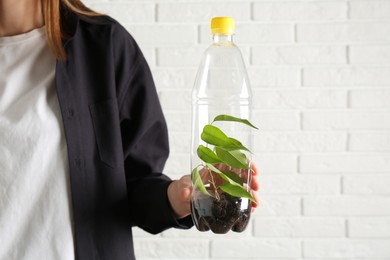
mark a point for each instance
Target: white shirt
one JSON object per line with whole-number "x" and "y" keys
{"x": 35, "y": 209}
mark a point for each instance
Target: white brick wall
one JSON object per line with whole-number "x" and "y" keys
{"x": 320, "y": 73}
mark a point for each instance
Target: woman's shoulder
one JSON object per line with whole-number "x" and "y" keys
{"x": 98, "y": 19}
{"x": 98, "y": 22}
{"x": 103, "y": 26}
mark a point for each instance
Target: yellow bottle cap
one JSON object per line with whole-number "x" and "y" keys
{"x": 222, "y": 25}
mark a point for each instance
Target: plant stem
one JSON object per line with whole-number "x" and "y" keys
{"x": 213, "y": 184}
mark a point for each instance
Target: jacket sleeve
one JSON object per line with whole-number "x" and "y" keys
{"x": 146, "y": 149}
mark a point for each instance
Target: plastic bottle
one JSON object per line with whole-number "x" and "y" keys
{"x": 221, "y": 87}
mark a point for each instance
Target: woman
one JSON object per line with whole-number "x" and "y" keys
{"x": 83, "y": 139}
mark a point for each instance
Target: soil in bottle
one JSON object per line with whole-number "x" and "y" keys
{"x": 221, "y": 215}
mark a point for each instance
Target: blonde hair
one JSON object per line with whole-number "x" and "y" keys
{"x": 55, "y": 27}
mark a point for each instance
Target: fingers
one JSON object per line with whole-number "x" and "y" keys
{"x": 254, "y": 169}
{"x": 256, "y": 197}
{"x": 255, "y": 183}
{"x": 255, "y": 180}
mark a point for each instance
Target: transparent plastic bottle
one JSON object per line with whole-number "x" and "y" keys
{"x": 221, "y": 87}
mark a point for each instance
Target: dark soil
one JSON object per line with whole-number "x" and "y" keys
{"x": 220, "y": 215}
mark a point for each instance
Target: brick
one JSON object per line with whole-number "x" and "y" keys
{"x": 200, "y": 12}
{"x": 162, "y": 34}
{"x": 127, "y": 13}
{"x": 255, "y": 248}
{"x": 177, "y": 165}
{"x": 180, "y": 142}
{"x": 174, "y": 78}
{"x": 377, "y": 227}
{"x": 299, "y": 99}
{"x": 149, "y": 54}
{"x": 276, "y": 121}
{"x": 370, "y": 141}
{"x": 370, "y": 9}
{"x": 289, "y": 258}
{"x": 250, "y": 33}
{"x": 194, "y": 233}
{"x": 346, "y": 206}
{"x": 343, "y": 248}
{"x": 185, "y": 248}
{"x": 299, "y": 227}
{"x": 182, "y": 56}
{"x": 369, "y": 98}
{"x": 299, "y": 55}
{"x": 139, "y": 233}
{"x": 284, "y": 258}
{"x": 178, "y": 121}
{"x": 327, "y": 258}
{"x": 274, "y": 78}
{"x": 276, "y": 164}
{"x": 299, "y": 11}
{"x": 346, "y": 76}
{"x": 161, "y": 258}
{"x": 370, "y": 54}
{"x": 278, "y": 206}
{"x": 175, "y": 99}
{"x": 294, "y": 184}
{"x": 343, "y": 32}
{"x": 367, "y": 185}
{"x": 345, "y": 163}
{"x": 299, "y": 142}
{"x": 346, "y": 120}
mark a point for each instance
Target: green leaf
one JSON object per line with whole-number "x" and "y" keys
{"x": 223, "y": 176}
{"x": 236, "y": 191}
{"x": 235, "y": 145}
{"x": 207, "y": 155}
{"x": 228, "y": 176}
{"x": 234, "y": 177}
{"x": 212, "y": 168}
{"x": 235, "y": 159}
{"x": 213, "y": 135}
{"x": 197, "y": 181}
{"x": 233, "y": 119}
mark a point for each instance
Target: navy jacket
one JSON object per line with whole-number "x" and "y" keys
{"x": 116, "y": 137}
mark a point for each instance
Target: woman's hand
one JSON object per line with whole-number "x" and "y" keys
{"x": 255, "y": 186}
{"x": 179, "y": 194}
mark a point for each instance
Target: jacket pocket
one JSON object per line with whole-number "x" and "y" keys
{"x": 105, "y": 118}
